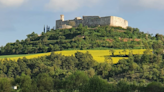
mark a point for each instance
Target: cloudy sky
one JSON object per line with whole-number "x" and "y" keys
{"x": 21, "y": 17}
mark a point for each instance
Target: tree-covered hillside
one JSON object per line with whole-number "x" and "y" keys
{"x": 103, "y": 37}
{"x": 81, "y": 73}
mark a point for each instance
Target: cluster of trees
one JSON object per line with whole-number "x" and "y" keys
{"x": 76, "y": 82}
{"x": 80, "y": 38}
{"x": 46, "y": 29}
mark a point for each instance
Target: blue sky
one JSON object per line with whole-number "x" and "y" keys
{"x": 21, "y": 17}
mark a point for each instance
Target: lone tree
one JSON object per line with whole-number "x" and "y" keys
{"x": 44, "y": 29}
{"x": 80, "y": 25}
{"x": 112, "y": 52}
{"x": 124, "y": 51}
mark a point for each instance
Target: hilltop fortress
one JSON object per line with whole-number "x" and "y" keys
{"x": 91, "y": 21}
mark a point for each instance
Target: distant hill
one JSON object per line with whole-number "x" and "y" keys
{"x": 81, "y": 38}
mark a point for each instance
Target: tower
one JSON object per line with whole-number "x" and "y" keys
{"x": 62, "y": 17}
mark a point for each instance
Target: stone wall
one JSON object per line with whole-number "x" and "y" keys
{"x": 59, "y": 23}
{"x": 95, "y": 21}
{"x": 119, "y": 22}
{"x": 92, "y": 21}
{"x": 65, "y": 26}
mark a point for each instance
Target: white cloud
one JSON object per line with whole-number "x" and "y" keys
{"x": 69, "y": 5}
{"x": 123, "y": 5}
{"x": 11, "y": 3}
{"x": 142, "y": 4}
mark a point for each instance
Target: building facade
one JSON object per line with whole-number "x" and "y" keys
{"x": 91, "y": 21}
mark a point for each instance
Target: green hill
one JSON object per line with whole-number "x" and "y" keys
{"x": 81, "y": 38}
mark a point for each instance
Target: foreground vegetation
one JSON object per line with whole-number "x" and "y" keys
{"x": 81, "y": 73}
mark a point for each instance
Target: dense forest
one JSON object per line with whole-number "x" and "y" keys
{"x": 81, "y": 73}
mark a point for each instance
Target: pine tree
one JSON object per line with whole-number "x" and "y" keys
{"x": 44, "y": 29}
{"x": 47, "y": 28}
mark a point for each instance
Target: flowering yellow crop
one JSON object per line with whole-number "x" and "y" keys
{"x": 98, "y": 55}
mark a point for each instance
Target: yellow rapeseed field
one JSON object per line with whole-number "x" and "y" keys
{"x": 98, "y": 55}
